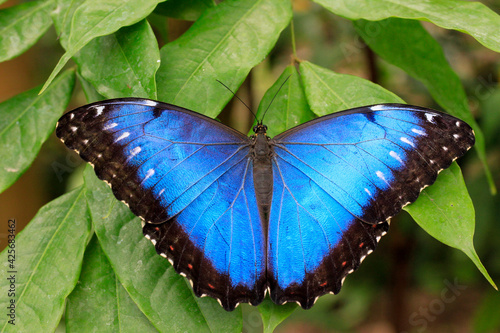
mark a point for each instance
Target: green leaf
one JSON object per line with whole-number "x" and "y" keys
{"x": 472, "y": 18}
{"x": 135, "y": 56}
{"x": 62, "y": 16}
{"x": 224, "y": 44}
{"x": 423, "y": 59}
{"x": 99, "y": 302}
{"x": 90, "y": 93}
{"x": 163, "y": 296}
{"x": 272, "y": 314}
{"x": 22, "y": 25}
{"x": 96, "y": 18}
{"x": 188, "y": 10}
{"x": 445, "y": 211}
{"x": 329, "y": 92}
{"x": 48, "y": 259}
{"x": 26, "y": 122}
{"x": 289, "y": 108}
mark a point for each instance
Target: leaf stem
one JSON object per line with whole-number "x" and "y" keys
{"x": 294, "y": 50}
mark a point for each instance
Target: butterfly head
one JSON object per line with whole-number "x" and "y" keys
{"x": 260, "y": 129}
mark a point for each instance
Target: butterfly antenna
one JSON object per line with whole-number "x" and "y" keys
{"x": 275, "y": 96}
{"x": 238, "y": 99}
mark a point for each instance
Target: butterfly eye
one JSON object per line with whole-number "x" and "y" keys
{"x": 255, "y": 128}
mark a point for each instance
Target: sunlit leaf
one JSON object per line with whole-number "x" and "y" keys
{"x": 135, "y": 56}
{"x": 272, "y": 314}
{"x": 224, "y": 44}
{"x": 48, "y": 259}
{"x": 99, "y": 302}
{"x": 93, "y": 19}
{"x": 329, "y": 92}
{"x": 445, "y": 211}
{"x": 22, "y": 25}
{"x": 473, "y": 18}
{"x": 289, "y": 108}
{"x": 26, "y": 122}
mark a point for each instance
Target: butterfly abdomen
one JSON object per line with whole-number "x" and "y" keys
{"x": 262, "y": 173}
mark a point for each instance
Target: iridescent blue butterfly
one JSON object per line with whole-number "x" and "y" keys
{"x": 239, "y": 216}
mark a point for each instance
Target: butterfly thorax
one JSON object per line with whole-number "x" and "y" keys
{"x": 261, "y": 153}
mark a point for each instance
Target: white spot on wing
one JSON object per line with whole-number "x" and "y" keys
{"x": 98, "y": 110}
{"x": 73, "y": 128}
{"x": 380, "y": 175}
{"x": 161, "y": 192}
{"x": 445, "y": 148}
{"x": 377, "y": 107}
{"x": 150, "y": 102}
{"x": 456, "y": 136}
{"x": 405, "y": 140}
{"x": 123, "y": 136}
{"x": 419, "y": 132}
{"x": 395, "y": 156}
{"x": 133, "y": 152}
{"x": 430, "y": 117}
{"x": 110, "y": 126}
{"x": 367, "y": 191}
{"x": 71, "y": 116}
{"x": 149, "y": 173}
